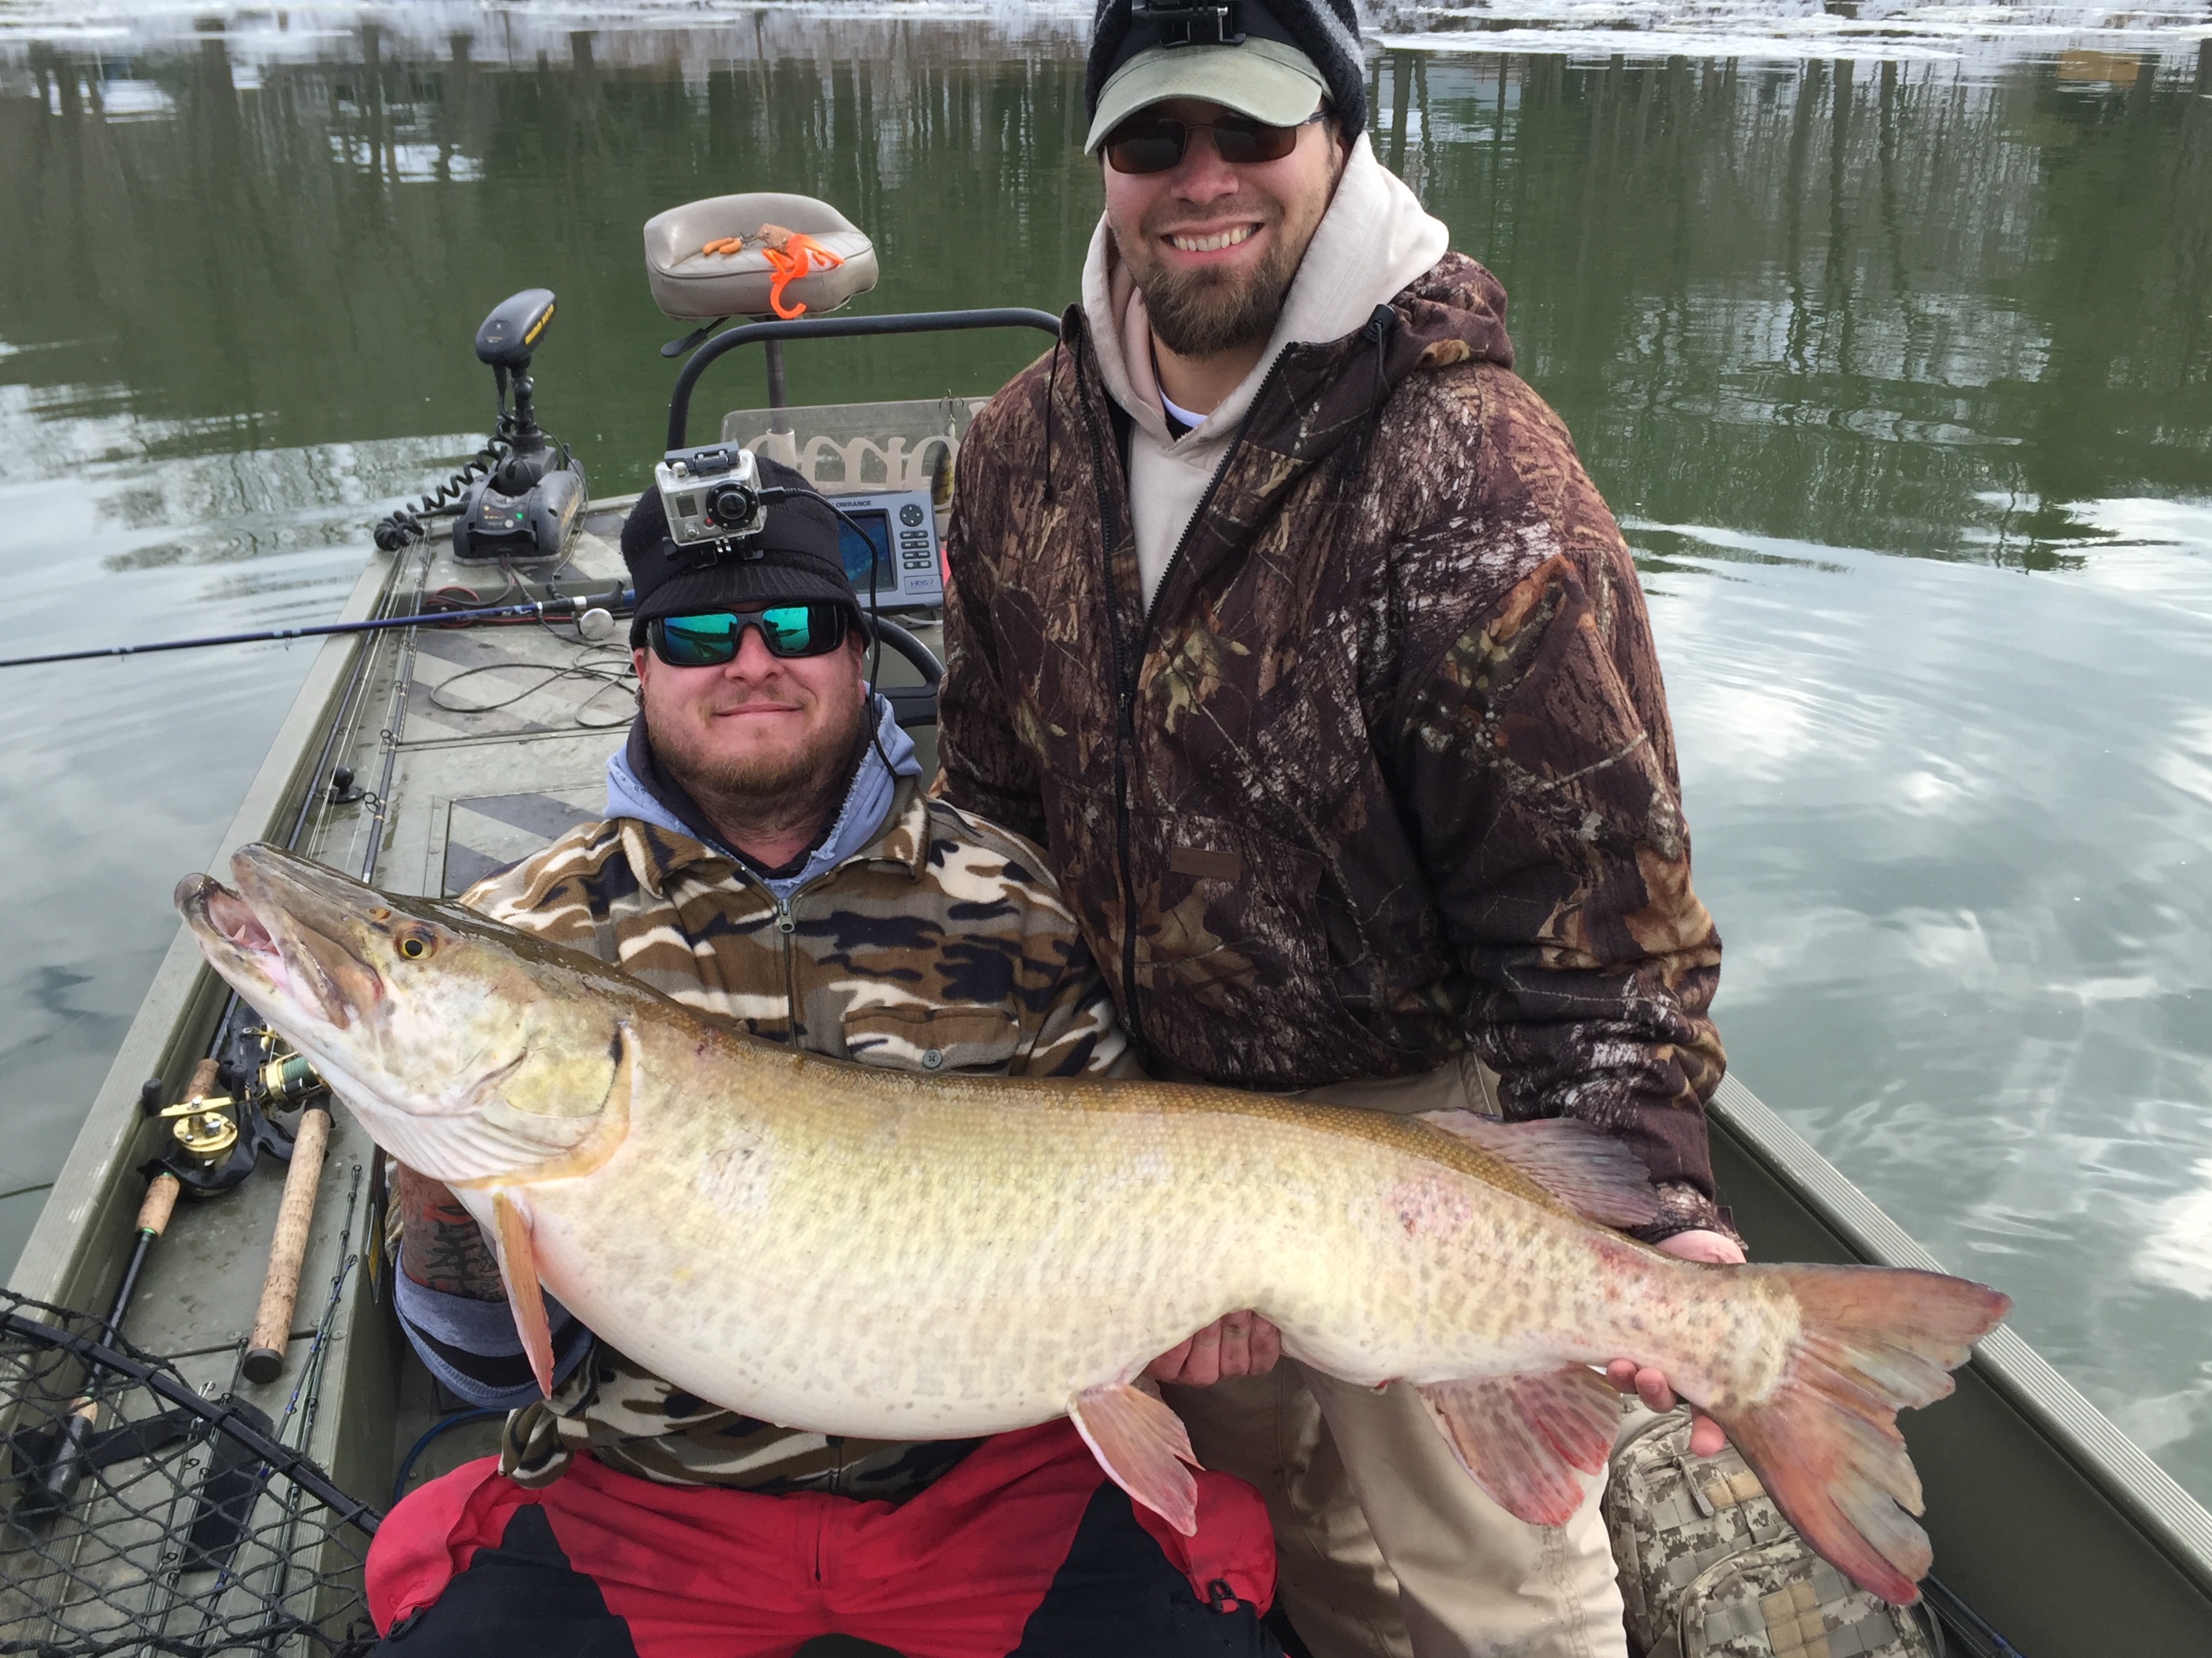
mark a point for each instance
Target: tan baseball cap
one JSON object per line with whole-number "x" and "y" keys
{"x": 1269, "y": 81}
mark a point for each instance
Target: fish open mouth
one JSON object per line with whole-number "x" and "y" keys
{"x": 276, "y": 933}
{"x": 234, "y": 922}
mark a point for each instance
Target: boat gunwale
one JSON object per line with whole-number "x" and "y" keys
{"x": 70, "y": 1255}
{"x": 2145, "y": 1495}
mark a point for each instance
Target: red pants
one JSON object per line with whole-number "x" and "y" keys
{"x": 1023, "y": 1547}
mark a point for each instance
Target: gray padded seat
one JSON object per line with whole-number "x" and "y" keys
{"x": 692, "y": 285}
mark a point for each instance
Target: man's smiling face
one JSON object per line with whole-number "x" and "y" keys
{"x": 1213, "y": 247}
{"x": 757, "y": 726}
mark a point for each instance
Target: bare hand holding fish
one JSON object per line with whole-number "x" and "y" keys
{"x": 717, "y": 1207}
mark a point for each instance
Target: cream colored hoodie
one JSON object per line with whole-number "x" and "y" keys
{"x": 1375, "y": 239}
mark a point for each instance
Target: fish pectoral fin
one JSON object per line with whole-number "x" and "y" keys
{"x": 1522, "y": 1436}
{"x": 518, "y": 1267}
{"x": 1592, "y": 1172}
{"x": 1143, "y": 1446}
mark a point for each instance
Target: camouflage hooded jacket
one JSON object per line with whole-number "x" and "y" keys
{"x": 940, "y": 946}
{"x": 1386, "y": 771}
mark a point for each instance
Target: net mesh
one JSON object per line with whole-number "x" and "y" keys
{"x": 139, "y": 1514}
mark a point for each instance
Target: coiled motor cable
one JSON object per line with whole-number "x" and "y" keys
{"x": 404, "y": 526}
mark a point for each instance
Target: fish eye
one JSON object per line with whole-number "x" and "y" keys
{"x": 414, "y": 946}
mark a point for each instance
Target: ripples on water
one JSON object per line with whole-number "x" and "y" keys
{"x": 1815, "y": 286}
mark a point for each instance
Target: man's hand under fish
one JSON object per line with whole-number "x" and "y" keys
{"x": 1245, "y": 1344}
{"x": 846, "y": 1249}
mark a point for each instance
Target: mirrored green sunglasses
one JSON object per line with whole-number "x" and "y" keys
{"x": 709, "y": 640}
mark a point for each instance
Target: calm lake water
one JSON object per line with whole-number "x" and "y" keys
{"x": 1889, "y": 337}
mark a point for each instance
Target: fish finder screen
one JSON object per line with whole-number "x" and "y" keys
{"x": 857, "y": 550}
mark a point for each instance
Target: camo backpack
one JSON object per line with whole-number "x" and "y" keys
{"x": 1709, "y": 1567}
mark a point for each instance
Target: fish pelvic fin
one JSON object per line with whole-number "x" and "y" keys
{"x": 1592, "y": 1172}
{"x": 1143, "y": 1447}
{"x": 1825, "y": 1443}
{"x": 1522, "y": 1437}
{"x": 518, "y": 1267}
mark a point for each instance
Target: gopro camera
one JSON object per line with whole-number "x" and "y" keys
{"x": 711, "y": 493}
{"x": 1199, "y": 25}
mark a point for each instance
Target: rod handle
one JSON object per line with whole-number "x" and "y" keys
{"x": 203, "y": 1081}
{"x": 47, "y": 1492}
{"x": 272, "y": 1321}
{"x": 159, "y": 1203}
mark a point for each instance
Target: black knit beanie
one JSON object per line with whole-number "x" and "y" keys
{"x": 796, "y": 559}
{"x": 1326, "y": 31}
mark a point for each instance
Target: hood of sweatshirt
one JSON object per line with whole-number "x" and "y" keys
{"x": 637, "y": 787}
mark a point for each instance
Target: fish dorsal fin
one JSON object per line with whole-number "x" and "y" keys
{"x": 518, "y": 1267}
{"x": 1143, "y": 1446}
{"x": 1522, "y": 1436}
{"x": 1592, "y": 1172}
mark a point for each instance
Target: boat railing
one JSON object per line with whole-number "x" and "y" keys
{"x": 773, "y": 335}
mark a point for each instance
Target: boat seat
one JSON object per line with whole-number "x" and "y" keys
{"x": 692, "y": 285}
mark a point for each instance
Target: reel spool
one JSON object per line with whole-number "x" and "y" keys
{"x": 218, "y": 1137}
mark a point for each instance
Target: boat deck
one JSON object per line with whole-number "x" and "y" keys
{"x": 470, "y": 748}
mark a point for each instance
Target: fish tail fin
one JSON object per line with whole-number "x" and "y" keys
{"x": 1825, "y": 1443}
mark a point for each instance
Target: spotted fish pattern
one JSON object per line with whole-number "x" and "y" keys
{"x": 1384, "y": 772}
{"x": 943, "y": 946}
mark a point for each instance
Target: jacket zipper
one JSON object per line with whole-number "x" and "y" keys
{"x": 1152, "y": 604}
{"x": 1124, "y": 717}
{"x": 1124, "y": 690}
{"x": 787, "y": 927}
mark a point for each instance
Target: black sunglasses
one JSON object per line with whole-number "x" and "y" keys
{"x": 709, "y": 640}
{"x": 1147, "y": 143}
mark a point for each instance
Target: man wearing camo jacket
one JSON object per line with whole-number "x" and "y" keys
{"x": 1284, "y": 614}
{"x": 768, "y": 856}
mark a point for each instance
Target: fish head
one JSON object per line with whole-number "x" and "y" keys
{"x": 470, "y": 1051}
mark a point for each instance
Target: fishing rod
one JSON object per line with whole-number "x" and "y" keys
{"x": 51, "y": 1479}
{"x": 579, "y": 609}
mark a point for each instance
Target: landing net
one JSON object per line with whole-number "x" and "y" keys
{"x": 190, "y": 1527}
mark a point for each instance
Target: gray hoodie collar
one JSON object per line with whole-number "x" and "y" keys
{"x": 858, "y": 821}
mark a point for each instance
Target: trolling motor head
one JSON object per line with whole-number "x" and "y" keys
{"x": 531, "y": 505}
{"x": 510, "y": 334}
{"x": 506, "y": 340}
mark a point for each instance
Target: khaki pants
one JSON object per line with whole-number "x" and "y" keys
{"x": 1386, "y": 1548}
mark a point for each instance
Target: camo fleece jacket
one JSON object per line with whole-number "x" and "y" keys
{"x": 939, "y": 946}
{"x": 1386, "y": 771}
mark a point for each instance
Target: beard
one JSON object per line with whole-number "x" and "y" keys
{"x": 1198, "y": 313}
{"x": 807, "y": 778}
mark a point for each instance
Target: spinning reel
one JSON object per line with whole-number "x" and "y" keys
{"x": 218, "y": 1137}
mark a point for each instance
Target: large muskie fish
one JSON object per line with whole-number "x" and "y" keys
{"x": 856, "y": 1251}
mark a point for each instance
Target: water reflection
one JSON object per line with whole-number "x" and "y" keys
{"x": 1952, "y": 809}
{"x": 1880, "y": 305}
{"x": 1954, "y": 825}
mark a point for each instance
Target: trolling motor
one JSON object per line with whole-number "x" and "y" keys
{"x": 531, "y": 505}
